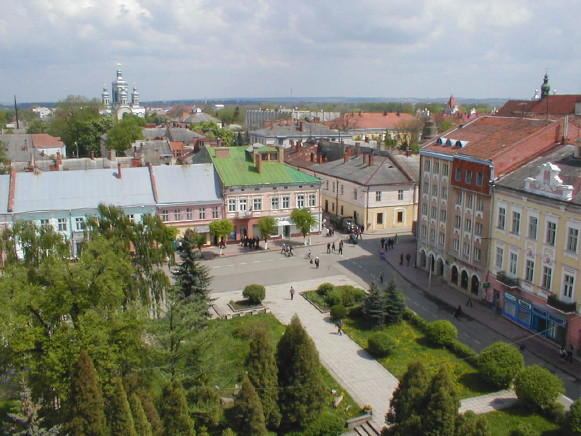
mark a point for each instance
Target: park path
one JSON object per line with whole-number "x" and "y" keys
{"x": 367, "y": 381}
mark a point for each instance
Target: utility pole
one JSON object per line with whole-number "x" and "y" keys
{"x": 16, "y": 113}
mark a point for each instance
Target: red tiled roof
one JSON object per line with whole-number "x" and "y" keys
{"x": 45, "y": 140}
{"x": 176, "y": 145}
{"x": 553, "y": 104}
{"x": 371, "y": 120}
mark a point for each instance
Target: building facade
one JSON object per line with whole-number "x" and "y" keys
{"x": 120, "y": 101}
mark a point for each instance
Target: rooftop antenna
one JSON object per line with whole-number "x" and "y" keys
{"x": 16, "y": 113}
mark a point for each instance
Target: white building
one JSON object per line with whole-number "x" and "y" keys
{"x": 120, "y": 102}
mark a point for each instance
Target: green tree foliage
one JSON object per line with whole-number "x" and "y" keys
{"x": 302, "y": 394}
{"x": 86, "y": 407}
{"x": 441, "y": 332}
{"x": 538, "y": 388}
{"x": 142, "y": 425}
{"x": 380, "y": 344}
{"x": 28, "y": 422}
{"x": 150, "y": 412}
{"x": 524, "y": 429}
{"x": 4, "y": 161}
{"x": 470, "y": 424}
{"x": 192, "y": 278}
{"x": 409, "y": 396}
{"x": 573, "y": 419}
{"x": 173, "y": 409}
{"x": 374, "y": 306}
{"x": 394, "y": 304}
{"x": 304, "y": 220}
{"x": 221, "y": 229}
{"x": 125, "y": 132}
{"x": 212, "y": 130}
{"x": 248, "y": 411}
{"x": 195, "y": 239}
{"x": 338, "y": 311}
{"x": 263, "y": 373}
{"x": 500, "y": 363}
{"x": 119, "y": 412}
{"x": 441, "y": 412}
{"x": 267, "y": 226}
{"x": 254, "y": 293}
{"x": 36, "y": 126}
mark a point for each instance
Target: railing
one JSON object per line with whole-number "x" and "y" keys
{"x": 563, "y": 306}
{"x": 507, "y": 281}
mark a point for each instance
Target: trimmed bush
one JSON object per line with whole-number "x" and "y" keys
{"x": 415, "y": 320}
{"x": 254, "y": 293}
{"x": 380, "y": 344}
{"x": 524, "y": 429}
{"x": 350, "y": 295}
{"x": 356, "y": 311}
{"x": 338, "y": 311}
{"x": 441, "y": 332}
{"x": 461, "y": 350}
{"x": 325, "y": 288}
{"x": 538, "y": 388}
{"x": 326, "y": 424}
{"x": 573, "y": 419}
{"x": 500, "y": 363}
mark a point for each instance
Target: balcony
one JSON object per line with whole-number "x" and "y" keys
{"x": 510, "y": 282}
{"x": 561, "y": 305}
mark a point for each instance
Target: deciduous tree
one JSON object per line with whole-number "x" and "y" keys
{"x": 304, "y": 220}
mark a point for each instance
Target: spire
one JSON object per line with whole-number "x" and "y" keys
{"x": 545, "y": 88}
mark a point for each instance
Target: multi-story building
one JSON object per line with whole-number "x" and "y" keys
{"x": 281, "y": 133}
{"x": 458, "y": 172}
{"x": 535, "y": 262}
{"x": 256, "y": 183}
{"x": 120, "y": 101}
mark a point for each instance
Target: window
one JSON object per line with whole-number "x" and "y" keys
{"x": 274, "y": 203}
{"x": 215, "y": 212}
{"x": 44, "y": 223}
{"x": 177, "y": 215}
{"x": 444, "y": 192}
{"x": 469, "y": 200}
{"x": 457, "y": 221}
{"x": 459, "y": 197}
{"x": 568, "y": 285}
{"x": 434, "y": 212}
{"x": 434, "y": 190}
{"x": 423, "y": 231}
{"x": 533, "y": 224}
{"x": 231, "y": 205}
{"x": 572, "y": 239}
{"x": 242, "y": 205}
{"x": 286, "y": 202}
{"x": 312, "y": 200}
{"x": 547, "y": 277}
{"x": 456, "y": 245}
{"x": 327, "y": 185}
{"x": 466, "y": 249}
{"x": 341, "y": 189}
{"x": 424, "y": 208}
{"x": 458, "y": 174}
{"x": 479, "y": 179}
{"x": 165, "y": 215}
{"x": 355, "y": 194}
{"x": 443, "y": 214}
{"x": 342, "y": 212}
{"x": 512, "y": 263}
{"x": 499, "y": 260}
{"x": 501, "y": 222}
{"x": 400, "y": 194}
{"x": 515, "y": 223}
{"x": 79, "y": 224}
{"x": 399, "y": 217}
{"x": 300, "y": 201}
{"x": 480, "y": 204}
{"x": 432, "y": 235}
{"x": 551, "y": 233}
{"x": 468, "y": 224}
{"x": 380, "y": 218}
{"x": 62, "y": 225}
{"x": 427, "y": 188}
{"x": 442, "y": 238}
{"x": 189, "y": 214}
{"x": 378, "y": 196}
{"x": 333, "y": 186}
{"x": 202, "y": 213}
{"x": 529, "y": 270}
{"x": 428, "y": 162}
{"x": 478, "y": 229}
{"x": 468, "y": 178}
{"x": 257, "y": 203}
{"x": 445, "y": 169}
{"x": 477, "y": 254}
{"x": 436, "y": 167}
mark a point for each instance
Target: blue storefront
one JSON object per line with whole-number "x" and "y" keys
{"x": 534, "y": 318}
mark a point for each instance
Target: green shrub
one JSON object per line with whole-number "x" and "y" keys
{"x": 350, "y": 295}
{"x": 415, "y": 320}
{"x": 333, "y": 297}
{"x": 538, "y": 388}
{"x": 380, "y": 344}
{"x": 573, "y": 419}
{"x": 326, "y": 424}
{"x": 524, "y": 429}
{"x": 441, "y": 332}
{"x": 254, "y": 293}
{"x": 556, "y": 413}
{"x": 338, "y": 311}
{"x": 500, "y": 363}
{"x": 325, "y": 288}
{"x": 461, "y": 350}
{"x": 356, "y": 311}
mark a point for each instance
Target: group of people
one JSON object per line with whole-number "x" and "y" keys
{"x": 389, "y": 243}
{"x": 287, "y": 250}
{"x": 329, "y": 231}
{"x": 407, "y": 258}
{"x": 250, "y": 242}
{"x": 566, "y": 354}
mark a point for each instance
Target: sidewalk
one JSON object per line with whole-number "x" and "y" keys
{"x": 481, "y": 312}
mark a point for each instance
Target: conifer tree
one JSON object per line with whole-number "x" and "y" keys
{"x": 374, "y": 306}
{"x": 394, "y": 304}
{"x": 192, "y": 277}
{"x": 142, "y": 425}
{"x": 150, "y": 412}
{"x": 408, "y": 398}
{"x": 174, "y": 412}
{"x": 471, "y": 424}
{"x": 86, "y": 407}
{"x": 120, "y": 417}
{"x": 248, "y": 411}
{"x": 302, "y": 392}
{"x": 441, "y": 412}
{"x": 263, "y": 373}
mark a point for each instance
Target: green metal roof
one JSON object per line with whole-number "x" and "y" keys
{"x": 240, "y": 170}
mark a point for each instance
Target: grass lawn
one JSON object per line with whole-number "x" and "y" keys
{"x": 317, "y": 300}
{"x": 502, "y": 422}
{"x": 244, "y": 305}
{"x": 412, "y": 346}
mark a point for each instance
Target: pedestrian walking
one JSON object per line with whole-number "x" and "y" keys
{"x": 407, "y": 258}
{"x": 570, "y": 354}
{"x": 562, "y": 354}
{"x": 292, "y": 293}
{"x": 401, "y": 259}
{"x": 333, "y": 247}
{"x": 469, "y": 302}
{"x": 341, "y": 247}
{"x": 329, "y": 248}
{"x": 458, "y": 311}
{"x": 381, "y": 276}
{"x": 340, "y": 327}
{"x": 317, "y": 262}
{"x": 382, "y": 242}
{"x": 395, "y": 239}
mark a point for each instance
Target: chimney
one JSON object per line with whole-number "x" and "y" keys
{"x": 364, "y": 158}
{"x": 281, "y": 154}
{"x": 112, "y": 155}
{"x": 301, "y": 126}
{"x": 222, "y": 152}
{"x": 312, "y": 157}
{"x": 258, "y": 159}
{"x": 370, "y": 159}
{"x": 345, "y": 156}
{"x": 319, "y": 158}
{"x": 119, "y": 170}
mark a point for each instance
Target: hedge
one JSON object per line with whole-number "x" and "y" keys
{"x": 254, "y": 293}
{"x": 380, "y": 344}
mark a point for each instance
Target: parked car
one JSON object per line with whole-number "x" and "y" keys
{"x": 348, "y": 225}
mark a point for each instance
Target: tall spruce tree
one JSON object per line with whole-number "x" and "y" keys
{"x": 173, "y": 409}
{"x": 142, "y": 425}
{"x": 150, "y": 412}
{"x": 441, "y": 412}
{"x": 192, "y": 277}
{"x": 408, "y": 398}
{"x": 86, "y": 407}
{"x": 248, "y": 411}
{"x": 394, "y": 304}
{"x": 302, "y": 394}
{"x": 120, "y": 417}
{"x": 374, "y": 306}
{"x": 263, "y": 373}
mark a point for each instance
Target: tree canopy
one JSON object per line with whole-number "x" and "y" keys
{"x": 125, "y": 132}
{"x": 304, "y": 220}
{"x": 212, "y": 130}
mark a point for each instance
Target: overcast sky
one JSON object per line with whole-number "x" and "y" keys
{"x": 189, "y": 49}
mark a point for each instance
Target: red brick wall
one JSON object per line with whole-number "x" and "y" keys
{"x": 475, "y": 168}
